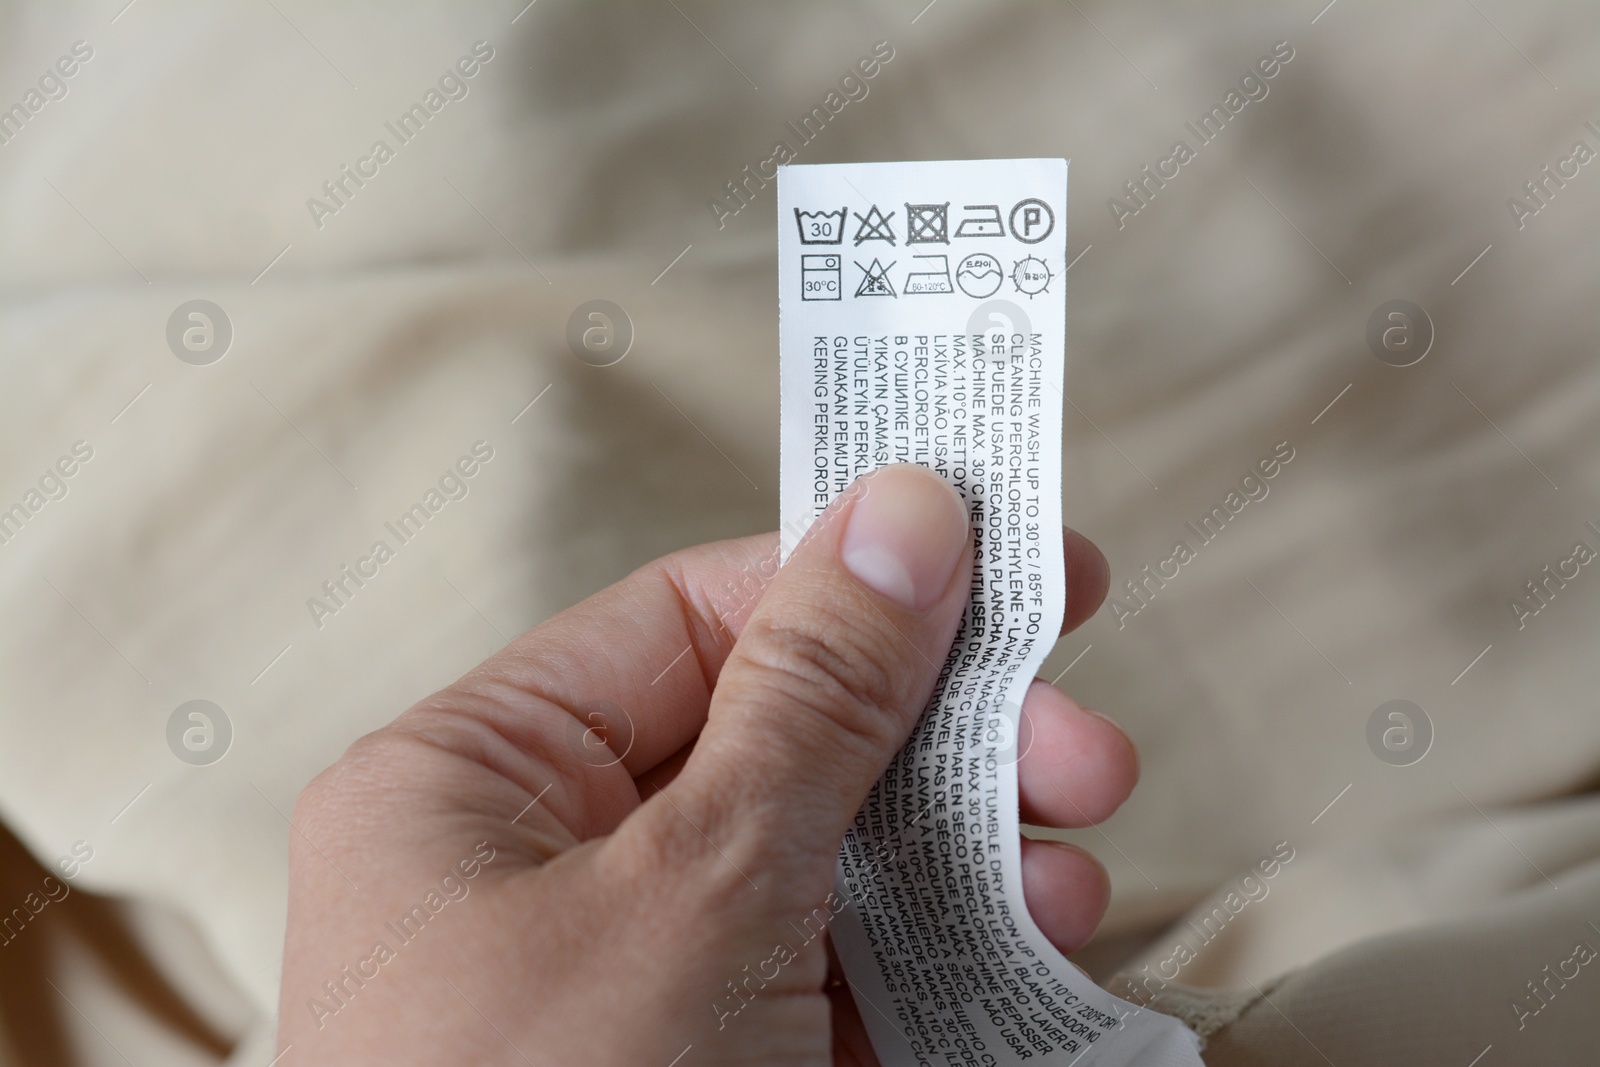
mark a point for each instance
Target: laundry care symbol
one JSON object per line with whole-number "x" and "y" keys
{"x": 933, "y": 275}
{"x": 819, "y": 277}
{"x": 983, "y": 222}
{"x": 979, "y": 275}
{"x": 1031, "y": 276}
{"x": 1032, "y": 221}
{"x": 875, "y": 280}
{"x": 820, "y": 227}
{"x": 928, "y": 224}
{"x": 874, "y": 226}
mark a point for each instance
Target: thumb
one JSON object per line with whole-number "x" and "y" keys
{"x": 830, "y": 673}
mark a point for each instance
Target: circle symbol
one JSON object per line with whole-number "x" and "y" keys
{"x": 199, "y": 733}
{"x": 979, "y": 275}
{"x": 599, "y": 332}
{"x": 1036, "y": 223}
{"x": 1030, "y": 276}
{"x": 1399, "y": 733}
{"x": 199, "y": 332}
{"x": 1399, "y": 333}
{"x": 600, "y": 734}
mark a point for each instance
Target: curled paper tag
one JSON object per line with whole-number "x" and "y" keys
{"x": 923, "y": 320}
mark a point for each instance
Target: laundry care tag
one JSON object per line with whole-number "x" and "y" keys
{"x": 923, "y": 320}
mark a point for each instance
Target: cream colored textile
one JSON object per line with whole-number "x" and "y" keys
{"x": 376, "y": 344}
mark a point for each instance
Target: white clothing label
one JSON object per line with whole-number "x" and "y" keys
{"x": 923, "y": 320}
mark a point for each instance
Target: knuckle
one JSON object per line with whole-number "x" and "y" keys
{"x": 367, "y": 765}
{"x": 833, "y": 667}
{"x": 738, "y": 867}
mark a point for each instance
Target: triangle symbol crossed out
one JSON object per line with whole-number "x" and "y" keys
{"x": 875, "y": 280}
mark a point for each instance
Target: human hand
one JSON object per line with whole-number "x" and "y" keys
{"x": 467, "y": 885}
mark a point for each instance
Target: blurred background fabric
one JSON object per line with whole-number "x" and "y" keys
{"x": 1218, "y": 317}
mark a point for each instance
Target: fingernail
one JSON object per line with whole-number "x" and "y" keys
{"x": 905, "y": 535}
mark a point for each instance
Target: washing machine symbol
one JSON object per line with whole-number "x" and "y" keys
{"x": 820, "y": 278}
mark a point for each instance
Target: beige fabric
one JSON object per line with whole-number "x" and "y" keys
{"x": 426, "y": 313}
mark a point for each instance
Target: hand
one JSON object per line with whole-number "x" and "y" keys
{"x": 483, "y": 881}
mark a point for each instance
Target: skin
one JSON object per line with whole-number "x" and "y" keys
{"x": 626, "y": 865}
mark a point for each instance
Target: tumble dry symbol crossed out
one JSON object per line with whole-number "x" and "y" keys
{"x": 928, "y": 224}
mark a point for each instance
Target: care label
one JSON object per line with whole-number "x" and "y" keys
{"x": 923, "y": 320}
